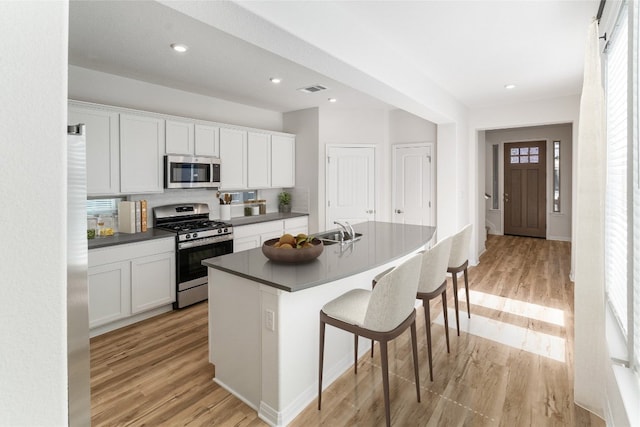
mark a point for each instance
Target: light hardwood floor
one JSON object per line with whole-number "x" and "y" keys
{"x": 512, "y": 364}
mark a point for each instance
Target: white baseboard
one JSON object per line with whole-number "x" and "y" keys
{"x": 103, "y": 329}
{"x": 559, "y": 238}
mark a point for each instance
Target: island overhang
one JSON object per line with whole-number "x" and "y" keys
{"x": 264, "y": 317}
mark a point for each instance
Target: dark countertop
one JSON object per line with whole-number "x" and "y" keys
{"x": 152, "y": 233}
{"x": 124, "y": 238}
{"x": 255, "y": 219}
{"x": 381, "y": 243}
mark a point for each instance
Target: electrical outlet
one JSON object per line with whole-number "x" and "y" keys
{"x": 269, "y": 320}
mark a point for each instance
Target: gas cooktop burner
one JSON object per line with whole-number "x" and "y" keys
{"x": 190, "y": 221}
{"x": 195, "y": 225}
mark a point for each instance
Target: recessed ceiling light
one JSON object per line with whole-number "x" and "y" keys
{"x": 510, "y": 86}
{"x": 275, "y": 80}
{"x": 333, "y": 100}
{"x": 178, "y": 47}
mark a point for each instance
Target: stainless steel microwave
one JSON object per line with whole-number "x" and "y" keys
{"x": 191, "y": 172}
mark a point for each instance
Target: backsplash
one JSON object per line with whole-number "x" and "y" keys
{"x": 170, "y": 197}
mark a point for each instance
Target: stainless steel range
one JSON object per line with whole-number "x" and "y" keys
{"x": 197, "y": 238}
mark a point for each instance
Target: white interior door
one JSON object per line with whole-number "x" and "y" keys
{"x": 413, "y": 184}
{"x": 350, "y": 184}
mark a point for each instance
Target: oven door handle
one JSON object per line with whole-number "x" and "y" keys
{"x": 203, "y": 242}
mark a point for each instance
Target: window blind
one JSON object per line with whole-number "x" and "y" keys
{"x": 99, "y": 206}
{"x": 616, "y": 234}
{"x": 635, "y": 128}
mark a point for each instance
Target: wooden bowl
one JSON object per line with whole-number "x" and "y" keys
{"x": 292, "y": 256}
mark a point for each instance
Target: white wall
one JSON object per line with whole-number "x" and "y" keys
{"x": 406, "y": 127}
{"x": 558, "y": 223}
{"x": 289, "y": 30}
{"x": 33, "y": 359}
{"x": 94, "y": 86}
{"x": 346, "y": 126}
{"x": 544, "y": 112}
{"x": 305, "y": 124}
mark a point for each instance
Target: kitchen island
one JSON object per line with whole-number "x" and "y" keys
{"x": 264, "y": 316}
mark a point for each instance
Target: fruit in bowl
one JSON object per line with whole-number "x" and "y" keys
{"x": 292, "y": 249}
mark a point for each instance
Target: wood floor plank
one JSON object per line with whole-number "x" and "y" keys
{"x": 156, "y": 373}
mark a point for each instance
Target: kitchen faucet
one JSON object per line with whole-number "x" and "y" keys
{"x": 348, "y": 229}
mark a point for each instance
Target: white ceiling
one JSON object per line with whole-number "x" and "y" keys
{"x": 471, "y": 49}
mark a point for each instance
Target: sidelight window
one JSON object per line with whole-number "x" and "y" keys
{"x": 556, "y": 176}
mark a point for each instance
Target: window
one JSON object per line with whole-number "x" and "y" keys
{"x": 622, "y": 193}
{"x": 494, "y": 178}
{"x": 102, "y": 206}
{"x": 556, "y": 176}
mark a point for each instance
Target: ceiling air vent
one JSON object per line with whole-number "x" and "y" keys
{"x": 312, "y": 89}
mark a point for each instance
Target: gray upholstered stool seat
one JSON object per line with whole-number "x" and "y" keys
{"x": 351, "y": 307}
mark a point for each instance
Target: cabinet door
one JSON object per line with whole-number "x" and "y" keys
{"x": 296, "y": 225}
{"x": 153, "y": 281}
{"x": 103, "y": 151}
{"x": 141, "y": 151}
{"x": 245, "y": 243}
{"x": 258, "y": 160}
{"x": 283, "y": 160}
{"x": 207, "y": 143}
{"x": 233, "y": 159}
{"x": 179, "y": 137}
{"x": 109, "y": 293}
{"x": 270, "y": 235}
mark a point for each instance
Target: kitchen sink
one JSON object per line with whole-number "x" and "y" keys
{"x": 332, "y": 237}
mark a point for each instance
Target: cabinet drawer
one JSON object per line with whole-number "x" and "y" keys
{"x": 296, "y": 223}
{"x": 257, "y": 229}
{"x": 129, "y": 251}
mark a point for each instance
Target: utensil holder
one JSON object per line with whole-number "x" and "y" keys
{"x": 225, "y": 212}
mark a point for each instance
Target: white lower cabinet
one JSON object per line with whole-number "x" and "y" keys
{"x": 109, "y": 296}
{"x": 254, "y": 235}
{"x": 297, "y": 225}
{"x": 245, "y": 243}
{"x": 151, "y": 281}
{"x": 127, "y": 282}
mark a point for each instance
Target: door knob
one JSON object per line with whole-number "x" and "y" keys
{"x": 398, "y": 211}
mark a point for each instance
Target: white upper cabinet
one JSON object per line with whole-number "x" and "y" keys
{"x": 258, "y": 160}
{"x": 283, "y": 160}
{"x": 207, "y": 143}
{"x": 103, "y": 151}
{"x": 126, "y": 148}
{"x": 141, "y": 153}
{"x": 233, "y": 159}
{"x": 179, "y": 137}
